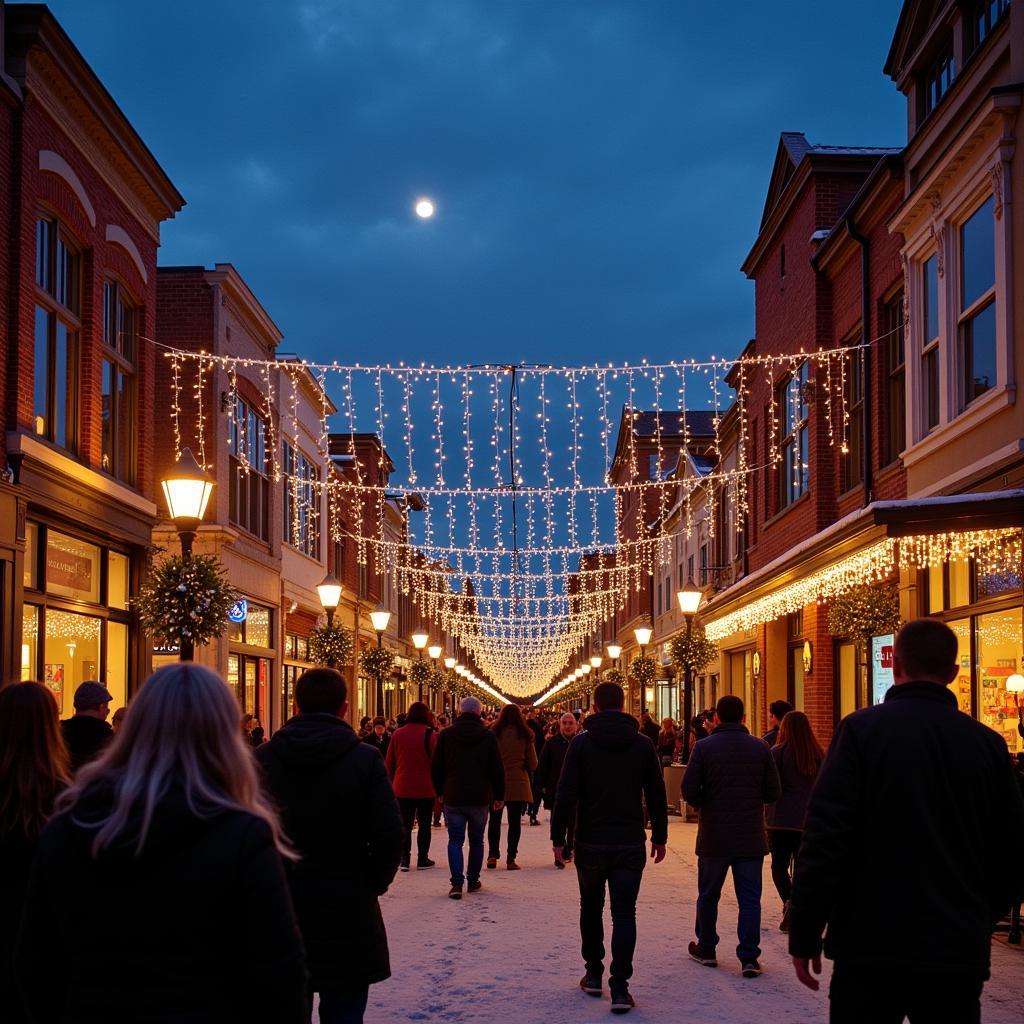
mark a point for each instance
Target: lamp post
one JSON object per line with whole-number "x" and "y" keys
{"x": 380, "y": 617}
{"x": 449, "y": 664}
{"x": 329, "y": 590}
{"x": 419, "y": 641}
{"x": 187, "y": 489}
{"x": 689, "y": 601}
{"x": 434, "y": 650}
{"x": 643, "y": 636}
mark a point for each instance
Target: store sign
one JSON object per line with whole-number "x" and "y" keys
{"x": 166, "y": 649}
{"x": 239, "y": 611}
{"x": 881, "y": 666}
{"x": 69, "y": 570}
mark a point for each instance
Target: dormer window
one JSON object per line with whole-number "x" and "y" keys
{"x": 937, "y": 78}
{"x": 979, "y": 23}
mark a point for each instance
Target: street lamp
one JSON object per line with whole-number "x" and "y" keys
{"x": 643, "y": 636}
{"x": 187, "y": 489}
{"x": 595, "y": 661}
{"x": 689, "y": 599}
{"x": 449, "y": 664}
{"x": 329, "y": 590}
{"x": 434, "y": 650}
{"x": 380, "y": 617}
{"x": 419, "y": 641}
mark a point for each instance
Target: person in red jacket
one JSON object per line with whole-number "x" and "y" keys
{"x": 408, "y": 762}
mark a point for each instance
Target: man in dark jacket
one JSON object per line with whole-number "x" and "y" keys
{"x": 88, "y": 732}
{"x": 339, "y": 810}
{"x": 649, "y": 727}
{"x": 536, "y": 726}
{"x": 549, "y": 770}
{"x": 730, "y": 777}
{"x": 378, "y": 737}
{"x": 777, "y": 711}
{"x": 607, "y": 769}
{"x": 913, "y": 848}
{"x": 469, "y": 777}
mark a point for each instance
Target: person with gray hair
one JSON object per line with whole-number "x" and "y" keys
{"x": 469, "y": 777}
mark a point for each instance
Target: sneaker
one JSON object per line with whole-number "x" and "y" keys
{"x": 750, "y": 969}
{"x": 784, "y": 923}
{"x": 591, "y": 984}
{"x": 455, "y": 892}
{"x": 704, "y": 957}
{"x": 492, "y": 862}
{"x": 560, "y": 864}
{"x": 622, "y": 1001}
{"x": 404, "y": 866}
{"x": 426, "y": 862}
{"x": 473, "y": 885}
{"x": 511, "y": 866}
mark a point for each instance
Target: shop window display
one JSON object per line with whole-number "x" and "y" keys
{"x": 961, "y": 686}
{"x": 999, "y": 657}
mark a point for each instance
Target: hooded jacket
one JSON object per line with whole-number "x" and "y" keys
{"x": 339, "y": 809}
{"x": 606, "y": 770}
{"x": 467, "y": 769}
{"x": 153, "y": 937}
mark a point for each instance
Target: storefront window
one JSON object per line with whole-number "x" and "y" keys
{"x": 257, "y": 627}
{"x": 999, "y": 656}
{"x": 936, "y": 596}
{"x": 847, "y": 662}
{"x": 72, "y": 567}
{"x": 961, "y": 686}
{"x": 1003, "y": 580}
{"x": 117, "y": 580}
{"x": 31, "y": 574}
{"x": 72, "y": 656}
{"x": 959, "y": 584}
{"x": 29, "y": 642}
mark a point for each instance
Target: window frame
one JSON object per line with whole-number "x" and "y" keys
{"x": 302, "y": 486}
{"x": 794, "y": 437}
{"x": 894, "y": 330}
{"x": 113, "y": 353}
{"x": 247, "y": 479}
{"x": 853, "y": 458}
{"x": 965, "y": 317}
{"x": 931, "y": 348}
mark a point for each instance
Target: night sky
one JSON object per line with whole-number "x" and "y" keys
{"x": 599, "y": 166}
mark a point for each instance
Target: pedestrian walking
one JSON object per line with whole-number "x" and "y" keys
{"x": 33, "y": 770}
{"x": 607, "y": 771}
{"x": 339, "y": 809}
{"x": 469, "y": 776}
{"x": 913, "y": 849}
{"x": 549, "y": 771}
{"x": 667, "y": 741}
{"x": 649, "y": 727}
{"x": 87, "y": 732}
{"x": 378, "y": 737}
{"x": 798, "y": 757}
{"x": 730, "y": 777}
{"x": 777, "y": 711}
{"x": 519, "y": 757}
{"x": 408, "y": 762}
{"x": 163, "y": 864}
{"x": 536, "y": 724}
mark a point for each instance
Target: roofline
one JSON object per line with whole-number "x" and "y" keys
{"x": 228, "y": 277}
{"x": 887, "y": 68}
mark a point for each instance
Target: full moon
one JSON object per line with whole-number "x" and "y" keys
{"x": 424, "y": 209}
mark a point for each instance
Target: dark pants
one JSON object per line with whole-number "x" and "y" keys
{"x": 784, "y": 844}
{"x": 746, "y": 879}
{"x": 343, "y": 1006}
{"x": 419, "y": 810}
{"x": 860, "y": 995}
{"x": 621, "y": 869}
{"x": 515, "y": 829}
{"x": 570, "y": 833}
{"x": 461, "y": 819}
{"x": 534, "y": 807}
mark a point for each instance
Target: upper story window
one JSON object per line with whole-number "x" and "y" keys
{"x": 301, "y": 502}
{"x": 57, "y": 327}
{"x": 653, "y": 466}
{"x": 117, "y": 383}
{"x": 937, "y": 78}
{"x": 249, "y": 496}
{"x": 930, "y": 342}
{"x": 854, "y": 469}
{"x": 794, "y": 412}
{"x": 893, "y": 349}
{"x": 979, "y": 22}
{"x": 976, "y": 324}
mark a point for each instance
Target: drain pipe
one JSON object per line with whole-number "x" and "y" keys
{"x": 865, "y": 334}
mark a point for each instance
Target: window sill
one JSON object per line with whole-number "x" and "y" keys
{"x": 768, "y": 523}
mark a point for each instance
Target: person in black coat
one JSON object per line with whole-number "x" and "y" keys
{"x": 913, "y": 848}
{"x": 607, "y": 771}
{"x": 378, "y": 737}
{"x": 87, "y": 732}
{"x": 549, "y": 771}
{"x": 730, "y": 777}
{"x": 158, "y": 887}
{"x": 777, "y": 711}
{"x": 339, "y": 809}
{"x": 536, "y": 726}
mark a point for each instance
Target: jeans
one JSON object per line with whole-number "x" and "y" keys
{"x": 515, "y": 829}
{"x": 533, "y": 808}
{"x": 861, "y": 995}
{"x": 746, "y": 879}
{"x": 621, "y": 869}
{"x": 343, "y": 1006}
{"x": 460, "y": 819}
{"x": 785, "y": 843}
{"x": 420, "y": 810}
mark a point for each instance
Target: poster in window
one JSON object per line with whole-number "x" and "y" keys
{"x": 53, "y": 677}
{"x": 881, "y": 666}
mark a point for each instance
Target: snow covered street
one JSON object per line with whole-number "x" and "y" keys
{"x": 511, "y": 952}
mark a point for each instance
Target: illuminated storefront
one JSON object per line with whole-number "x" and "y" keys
{"x": 251, "y": 656}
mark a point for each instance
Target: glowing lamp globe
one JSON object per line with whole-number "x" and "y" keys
{"x": 614, "y": 650}
{"x": 329, "y": 590}
{"x": 643, "y": 635}
{"x": 380, "y": 617}
{"x": 689, "y": 598}
{"x": 449, "y": 663}
{"x": 187, "y": 489}
{"x": 420, "y": 640}
{"x": 595, "y": 661}
{"x": 1015, "y": 683}
{"x": 434, "y": 651}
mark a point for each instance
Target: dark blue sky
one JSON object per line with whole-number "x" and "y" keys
{"x": 599, "y": 165}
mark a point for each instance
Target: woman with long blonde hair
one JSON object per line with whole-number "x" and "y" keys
{"x": 164, "y": 864}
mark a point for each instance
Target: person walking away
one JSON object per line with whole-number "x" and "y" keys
{"x": 408, "y": 762}
{"x": 87, "y": 732}
{"x": 536, "y": 725}
{"x": 667, "y": 741}
{"x": 649, "y": 727}
{"x": 339, "y": 809}
{"x": 33, "y": 770}
{"x": 378, "y": 736}
{"x": 164, "y": 863}
{"x": 777, "y": 711}
{"x": 519, "y": 758}
{"x": 549, "y": 771}
{"x": 469, "y": 777}
{"x": 912, "y": 851}
{"x": 798, "y": 756}
{"x": 608, "y": 768}
{"x": 730, "y": 777}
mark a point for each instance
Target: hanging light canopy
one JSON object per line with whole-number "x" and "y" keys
{"x": 329, "y": 589}
{"x": 187, "y": 489}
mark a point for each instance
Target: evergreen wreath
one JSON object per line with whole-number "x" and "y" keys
{"x": 644, "y": 670}
{"x": 331, "y": 643}
{"x": 438, "y": 679}
{"x": 185, "y": 599}
{"x": 613, "y": 675}
{"x": 695, "y": 650}
{"x": 420, "y": 674}
{"x": 864, "y": 612}
{"x": 376, "y": 661}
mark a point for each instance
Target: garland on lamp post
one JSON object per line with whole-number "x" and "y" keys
{"x": 864, "y": 612}
{"x": 329, "y": 644}
{"x": 613, "y": 675}
{"x": 376, "y": 661}
{"x": 644, "y": 669}
{"x": 185, "y": 601}
{"x": 421, "y": 675}
{"x": 693, "y": 648}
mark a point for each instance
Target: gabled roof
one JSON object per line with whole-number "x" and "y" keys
{"x": 916, "y": 17}
{"x": 674, "y": 425}
{"x": 793, "y": 146}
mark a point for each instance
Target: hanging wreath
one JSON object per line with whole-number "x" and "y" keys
{"x": 185, "y": 599}
{"x": 376, "y": 661}
{"x": 644, "y": 670}
{"x": 438, "y": 679}
{"x": 695, "y": 650}
{"x": 864, "y": 612}
{"x": 420, "y": 674}
{"x": 613, "y": 675}
{"x": 328, "y": 644}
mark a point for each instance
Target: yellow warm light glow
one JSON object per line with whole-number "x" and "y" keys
{"x": 643, "y": 635}
{"x": 330, "y": 591}
{"x": 689, "y": 598}
{"x": 596, "y": 660}
{"x": 614, "y": 650}
{"x": 420, "y": 641}
{"x": 187, "y": 489}
{"x": 449, "y": 663}
{"x": 434, "y": 651}
{"x": 380, "y": 617}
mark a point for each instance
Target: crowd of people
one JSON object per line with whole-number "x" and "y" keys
{"x": 179, "y": 850}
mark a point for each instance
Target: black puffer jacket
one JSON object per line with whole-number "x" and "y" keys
{"x": 730, "y": 777}
{"x": 467, "y": 770}
{"x": 549, "y": 768}
{"x": 339, "y": 809}
{"x": 914, "y": 841}
{"x": 606, "y": 770}
{"x": 154, "y": 937}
